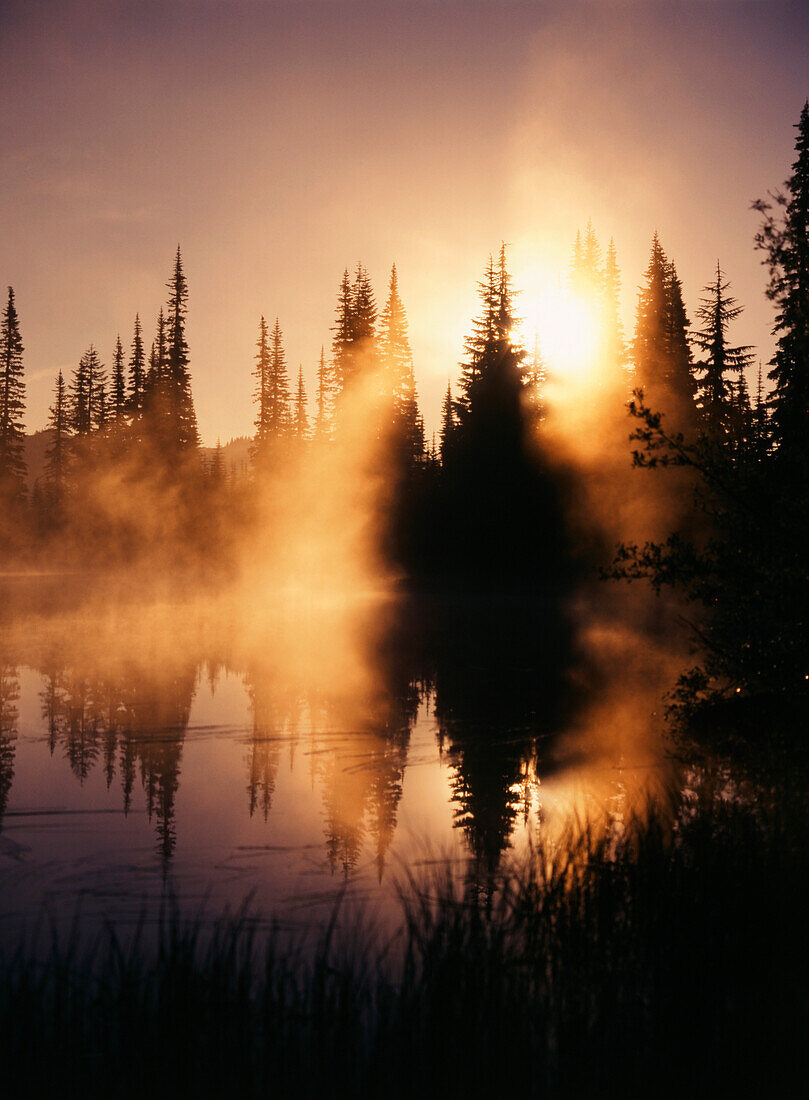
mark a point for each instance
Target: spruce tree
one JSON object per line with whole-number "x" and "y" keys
{"x": 278, "y": 417}
{"x": 661, "y": 352}
{"x": 118, "y": 382}
{"x": 614, "y": 342}
{"x": 397, "y": 372}
{"x": 137, "y": 371}
{"x": 181, "y": 402}
{"x": 784, "y": 238}
{"x": 325, "y": 397}
{"x": 301, "y": 419}
{"x": 343, "y": 339}
{"x": 449, "y": 427}
{"x": 56, "y": 457}
{"x": 261, "y": 392}
{"x": 719, "y": 396}
{"x": 87, "y": 394}
{"x": 12, "y": 404}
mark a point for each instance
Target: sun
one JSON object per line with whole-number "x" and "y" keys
{"x": 567, "y": 327}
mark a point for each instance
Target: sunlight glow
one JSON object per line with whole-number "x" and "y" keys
{"x": 568, "y": 329}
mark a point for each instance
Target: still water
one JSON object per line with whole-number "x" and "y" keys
{"x": 215, "y": 747}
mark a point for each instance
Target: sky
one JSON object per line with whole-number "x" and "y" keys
{"x": 280, "y": 142}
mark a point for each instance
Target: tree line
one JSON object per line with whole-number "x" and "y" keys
{"x": 489, "y": 498}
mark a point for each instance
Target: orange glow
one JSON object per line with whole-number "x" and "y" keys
{"x": 568, "y": 328}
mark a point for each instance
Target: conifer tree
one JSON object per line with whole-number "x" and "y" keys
{"x": 397, "y": 371}
{"x": 87, "y": 397}
{"x": 354, "y": 341}
{"x": 784, "y": 238}
{"x": 56, "y": 456}
{"x": 12, "y": 403}
{"x": 325, "y": 397}
{"x": 449, "y": 427}
{"x": 181, "y": 402}
{"x": 614, "y": 342}
{"x": 118, "y": 382}
{"x": 494, "y": 361}
{"x": 301, "y": 419}
{"x": 274, "y": 419}
{"x": 661, "y": 352}
{"x": 137, "y": 371}
{"x": 261, "y": 392}
{"x": 717, "y": 395}
{"x": 343, "y": 339}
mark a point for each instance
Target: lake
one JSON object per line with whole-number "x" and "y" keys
{"x": 212, "y": 746}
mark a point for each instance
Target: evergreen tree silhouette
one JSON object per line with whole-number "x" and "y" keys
{"x": 261, "y": 392}
{"x": 137, "y": 372}
{"x": 87, "y": 393}
{"x": 181, "y": 402}
{"x": 278, "y": 414}
{"x": 784, "y": 239}
{"x": 718, "y": 396}
{"x": 301, "y": 419}
{"x": 614, "y": 342}
{"x": 56, "y": 457}
{"x": 118, "y": 382}
{"x": 660, "y": 350}
{"x": 325, "y": 397}
{"x": 449, "y": 426}
{"x": 399, "y": 379}
{"x": 12, "y": 404}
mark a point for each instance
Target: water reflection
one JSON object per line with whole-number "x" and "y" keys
{"x": 331, "y": 713}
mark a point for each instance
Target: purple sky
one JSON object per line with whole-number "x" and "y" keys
{"x": 280, "y": 142}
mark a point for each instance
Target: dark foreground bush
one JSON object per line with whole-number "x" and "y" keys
{"x": 670, "y": 960}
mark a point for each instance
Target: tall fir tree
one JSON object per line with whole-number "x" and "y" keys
{"x": 137, "y": 371}
{"x": 87, "y": 394}
{"x": 343, "y": 338}
{"x": 118, "y": 382}
{"x": 720, "y": 399}
{"x": 325, "y": 397}
{"x": 261, "y": 391}
{"x": 661, "y": 353}
{"x": 614, "y": 341}
{"x": 12, "y": 404}
{"x": 399, "y": 382}
{"x": 181, "y": 402}
{"x": 301, "y": 419}
{"x": 784, "y": 238}
{"x": 449, "y": 426}
{"x": 56, "y": 456}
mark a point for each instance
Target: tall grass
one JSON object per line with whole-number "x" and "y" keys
{"x": 669, "y": 959}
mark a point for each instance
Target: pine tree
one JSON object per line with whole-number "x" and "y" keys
{"x": 614, "y": 342}
{"x": 87, "y": 394}
{"x": 118, "y": 382}
{"x": 397, "y": 372}
{"x": 660, "y": 350}
{"x": 261, "y": 393}
{"x": 354, "y": 341}
{"x": 325, "y": 397}
{"x": 137, "y": 371}
{"x": 274, "y": 417}
{"x": 12, "y": 404}
{"x": 301, "y": 419}
{"x": 716, "y": 394}
{"x": 181, "y": 402}
{"x": 343, "y": 339}
{"x": 56, "y": 457}
{"x": 217, "y": 470}
{"x": 784, "y": 238}
{"x": 587, "y": 267}
{"x": 493, "y": 360}
{"x": 449, "y": 427}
